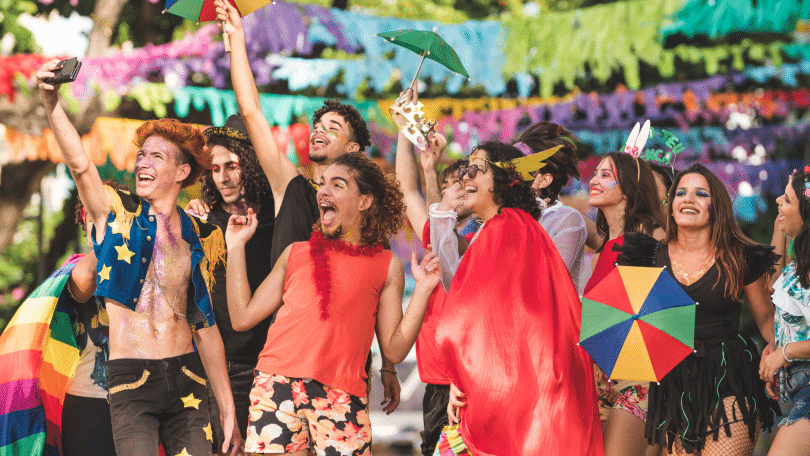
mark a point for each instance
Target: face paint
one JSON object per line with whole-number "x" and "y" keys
{"x": 611, "y": 184}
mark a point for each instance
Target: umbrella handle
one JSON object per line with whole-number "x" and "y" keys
{"x": 424, "y": 54}
{"x": 226, "y": 40}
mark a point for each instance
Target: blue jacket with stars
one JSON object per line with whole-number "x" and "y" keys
{"x": 125, "y": 254}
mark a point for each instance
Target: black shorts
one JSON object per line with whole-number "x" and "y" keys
{"x": 434, "y": 414}
{"x": 154, "y": 401}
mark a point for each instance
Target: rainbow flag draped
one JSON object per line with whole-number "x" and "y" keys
{"x": 38, "y": 355}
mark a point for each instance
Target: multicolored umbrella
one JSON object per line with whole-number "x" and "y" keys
{"x": 429, "y": 45}
{"x": 204, "y": 10}
{"x": 637, "y": 323}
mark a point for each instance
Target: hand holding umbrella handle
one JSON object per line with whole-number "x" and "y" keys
{"x": 226, "y": 40}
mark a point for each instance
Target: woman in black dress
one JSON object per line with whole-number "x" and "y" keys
{"x": 713, "y": 402}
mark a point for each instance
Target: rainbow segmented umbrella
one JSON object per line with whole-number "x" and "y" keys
{"x": 637, "y": 323}
{"x": 204, "y": 10}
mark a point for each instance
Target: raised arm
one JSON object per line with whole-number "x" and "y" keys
{"x": 278, "y": 168}
{"x": 396, "y": 332}
{"x": 430, "y": 159}
{"x": 246, "y": 311}
{"x": 408, "y": 175}
{"x": 84, "y": 172}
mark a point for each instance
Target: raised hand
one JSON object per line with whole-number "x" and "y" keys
{"x": 240, "y": 229}
{"x": 48, "y": 91}
{"x": 453, "y": 198}
{"x": 431, "y": 155}
{"x": 228, "y": 17}
{"x": 427, "y": 272}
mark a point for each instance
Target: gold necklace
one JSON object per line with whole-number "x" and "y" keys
{"x": 689, "y": 279}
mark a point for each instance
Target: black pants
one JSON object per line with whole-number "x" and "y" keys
{"x": 434, "y": 414}
{"x": 241, "y": 377}
{"x": 155, "y": 401}
{"x": 86, "y": 428}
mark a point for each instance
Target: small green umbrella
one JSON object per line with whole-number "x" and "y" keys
{"x": 429, "y": 45}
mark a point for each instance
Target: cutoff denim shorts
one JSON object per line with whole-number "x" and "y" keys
{"x": 797, "y": 387}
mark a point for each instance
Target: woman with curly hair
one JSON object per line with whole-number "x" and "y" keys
{"x": 331, "y": 293}
{"x": 713, "y": 402}
{"x": 787, "y": 362}
{"x": 509, "y": 330}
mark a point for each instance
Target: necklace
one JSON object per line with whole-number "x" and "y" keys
{"x": 689, "y": 279}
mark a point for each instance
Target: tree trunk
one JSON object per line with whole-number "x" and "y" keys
{"x": 105, "y": 17}
{"x": 19, "y": 181}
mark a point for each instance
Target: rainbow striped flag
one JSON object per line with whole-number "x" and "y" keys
{"x": 38, "y": 355}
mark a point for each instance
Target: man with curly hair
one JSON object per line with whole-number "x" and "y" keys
{"x": 310, "y": 393}
{"x": 156, "y": 271}
{"x": 337, "y": 130}
{"x": 235, "y": 184}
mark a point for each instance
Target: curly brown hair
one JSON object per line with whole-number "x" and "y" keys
{"x": 254, "y": 181}
{"x": 186, "y": 137}
{"x": 563, "y": 164}
{"x": 359, "y": 132}
{"x": 387, "y": 213}
{"x": 510, "y": 189}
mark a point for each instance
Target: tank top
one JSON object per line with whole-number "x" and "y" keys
{"x": 302, "y": 343}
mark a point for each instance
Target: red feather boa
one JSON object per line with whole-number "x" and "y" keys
{"x": 319, "y": 246}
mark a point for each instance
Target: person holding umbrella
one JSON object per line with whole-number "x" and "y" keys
{"x": 713, "y": 402}
{"x": 787, "y": 361}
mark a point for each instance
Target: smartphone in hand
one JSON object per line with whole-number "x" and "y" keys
{"x": 67, "y": 73}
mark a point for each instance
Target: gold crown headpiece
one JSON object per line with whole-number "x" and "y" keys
{"x": 411, "y": 121}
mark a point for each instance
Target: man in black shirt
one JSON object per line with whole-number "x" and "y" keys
{"x": 337, "y": 129}
{"x": 235, "y": 184}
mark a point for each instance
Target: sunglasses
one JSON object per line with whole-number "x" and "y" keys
{"x": 472, "y": 170}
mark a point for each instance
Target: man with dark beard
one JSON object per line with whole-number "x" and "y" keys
{"x": 336, "y": 130}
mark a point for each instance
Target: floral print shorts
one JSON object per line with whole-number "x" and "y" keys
{"x": 620, "y": 394}
{"x": 293, "y": 414}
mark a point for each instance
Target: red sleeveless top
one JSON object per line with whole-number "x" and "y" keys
{"x": 330, "y": 347}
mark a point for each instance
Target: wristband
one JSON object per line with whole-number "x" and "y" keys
{"x": 389, "y": 371}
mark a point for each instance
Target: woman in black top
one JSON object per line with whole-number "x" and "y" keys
{"x": 713, "y": 401}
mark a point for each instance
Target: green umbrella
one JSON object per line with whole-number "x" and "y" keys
{"x": 429, "y": 45}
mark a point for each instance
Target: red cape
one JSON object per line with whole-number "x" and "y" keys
{"x": 508, "y": 338}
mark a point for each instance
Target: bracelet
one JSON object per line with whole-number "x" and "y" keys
{"x": 788, "y": 360}
{"x": 389, "y": 371}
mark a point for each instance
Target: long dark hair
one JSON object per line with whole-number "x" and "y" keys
{"x": 636, "y": 181}
{"x": 563, "y": 164}
{"x": 510, "y": 189}
{"x": 801, "y": 244}
{"x": 727, "y": 239}
{"x": 254, "y": 181}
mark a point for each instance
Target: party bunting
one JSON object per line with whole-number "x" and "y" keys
{"x": 40, "y": 343}
{"x": 719, "y": 18}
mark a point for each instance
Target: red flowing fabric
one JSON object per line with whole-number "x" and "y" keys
{"x": 508, "y": 338}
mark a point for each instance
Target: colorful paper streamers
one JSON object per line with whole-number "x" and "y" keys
{"x": 39, "y": 350}
{"x": 22, "y": 64}
{"x": 718, "y": 18}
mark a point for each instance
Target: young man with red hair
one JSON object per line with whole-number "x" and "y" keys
{"x": 156, "y": 270}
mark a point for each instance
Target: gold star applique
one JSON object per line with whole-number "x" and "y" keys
{"x": 189, "y": 401}
{"x": 183, "y": 453}
{"x": 104, "y": 274}
{"x": 124, "y": 254}
{"x": 208, "y": 433}
{"x": 117, "y": 228}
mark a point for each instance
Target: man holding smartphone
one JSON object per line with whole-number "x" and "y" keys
{"x": 155, "y": 280}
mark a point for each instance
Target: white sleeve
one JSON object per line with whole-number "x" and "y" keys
{"x": 444, "y": 241}
{"x": 570, "y": 237}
